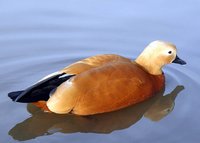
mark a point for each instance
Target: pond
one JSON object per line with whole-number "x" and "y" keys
{"x": 41, "y": 37}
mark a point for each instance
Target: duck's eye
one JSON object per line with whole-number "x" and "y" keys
{"x": 170, "y": 52}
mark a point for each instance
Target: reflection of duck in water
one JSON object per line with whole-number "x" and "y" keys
{"x": 163, "y": 105}
{"x": 41, "y": 123}
{"x": 102, "y": 83}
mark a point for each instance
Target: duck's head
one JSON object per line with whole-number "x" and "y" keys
{"x": 156, "y": 55}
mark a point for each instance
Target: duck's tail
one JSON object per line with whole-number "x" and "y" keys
{"x": 29, "y": 97}
{"x": 40, "y": 91}
{"x": 15, "y": 94}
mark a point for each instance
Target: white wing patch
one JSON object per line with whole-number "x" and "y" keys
{"x": 50, "y": 75}
{"x": 62, "y": 76}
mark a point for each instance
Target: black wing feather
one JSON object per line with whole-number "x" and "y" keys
{"x": 39, "y": 91}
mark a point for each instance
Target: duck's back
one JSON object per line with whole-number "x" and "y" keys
{"x": 106, "y": 88}
{"x": 92, "y": 62}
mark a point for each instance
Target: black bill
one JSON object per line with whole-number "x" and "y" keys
{"x": 177, "y": 60}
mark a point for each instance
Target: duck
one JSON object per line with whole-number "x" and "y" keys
{"x": 102, "y": 83}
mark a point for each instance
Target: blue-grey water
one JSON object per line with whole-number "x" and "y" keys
{"x": 39, "y": 37}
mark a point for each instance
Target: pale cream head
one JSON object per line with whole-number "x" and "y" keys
{"x": 156, "y": 55}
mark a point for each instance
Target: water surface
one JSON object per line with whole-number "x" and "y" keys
{"x": 40, "y": 37}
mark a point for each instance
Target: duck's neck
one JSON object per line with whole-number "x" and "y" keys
{"x": 150, "y": 67}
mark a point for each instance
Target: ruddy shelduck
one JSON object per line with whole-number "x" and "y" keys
{"x": 102, "y": 83}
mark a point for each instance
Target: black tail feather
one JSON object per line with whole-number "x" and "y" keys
{"x": 40, "y": 91}
{"x": 14, "y": 95}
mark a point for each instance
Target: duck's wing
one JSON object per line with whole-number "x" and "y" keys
{"x": 41, "y": 90}
{"x": 92, "y": 62}
{"x": 102, "y": 89}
